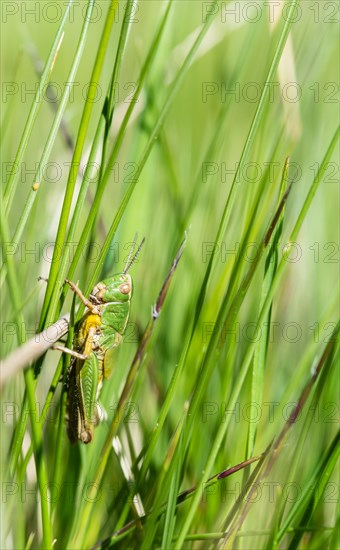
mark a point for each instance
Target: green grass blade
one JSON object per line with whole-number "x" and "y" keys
{"x": 36, "y": 104}
{"x": 148, "y": 148}
{"x": 102, "y": 184}
{"x": 260, "y": 110}
{"x": 303, "y": 510}
{"x": 226, "y": 319}
{"x": 38, "y": 177}
{"x": 261, "y": 349}
{"x": 47, "y": 315}
{"x": 30, "y": 389}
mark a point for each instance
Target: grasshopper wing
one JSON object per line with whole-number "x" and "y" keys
{"x": 88, "y": 383}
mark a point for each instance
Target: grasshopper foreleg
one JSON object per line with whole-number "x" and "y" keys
{"x": 85, "y": 301}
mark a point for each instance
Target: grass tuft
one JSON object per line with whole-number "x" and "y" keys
{"x": 221, "y": 425}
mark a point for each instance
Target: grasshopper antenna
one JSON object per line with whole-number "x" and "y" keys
{"x": 130, "y": 263}
{"x": 131, "y": 250}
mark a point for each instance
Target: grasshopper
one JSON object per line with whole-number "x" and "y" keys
{"x": 100, "y": 329}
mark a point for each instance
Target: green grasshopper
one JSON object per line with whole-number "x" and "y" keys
{"x": 99, "y": 330}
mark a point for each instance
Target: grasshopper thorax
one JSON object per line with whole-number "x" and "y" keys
{"x": 117, "y": 289}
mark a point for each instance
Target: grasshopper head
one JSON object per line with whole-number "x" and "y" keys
{"x": 115, "y": 289}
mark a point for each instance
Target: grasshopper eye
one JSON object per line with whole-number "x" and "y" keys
{"x": 125, "y": 288}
